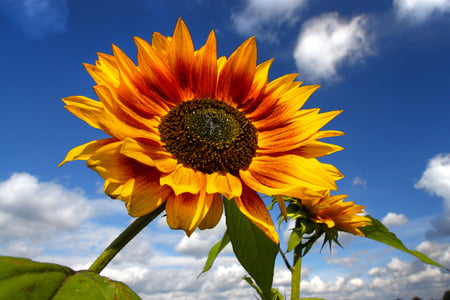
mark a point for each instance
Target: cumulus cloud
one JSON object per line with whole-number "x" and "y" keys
{"x": 436, "y": 181}
{"x": 201, "y": 241}
{"x": 419, "y": 11}
{"x": 329, "y": 41}
{"x": 29, "y": 208}
{"x": 264, "y": 18}
{"x": 37, "y": 18}
{"x": 393, "y": 219}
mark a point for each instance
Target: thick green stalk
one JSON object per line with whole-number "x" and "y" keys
{"x": 296, "y": 269}
{"x": 122, "y": 240}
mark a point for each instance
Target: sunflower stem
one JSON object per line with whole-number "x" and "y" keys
{"x": 297, "y": 267}
{"x": 123, "y": 239}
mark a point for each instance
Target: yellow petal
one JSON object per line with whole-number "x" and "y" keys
{"x": 85, "y": 151}
{"x": 184, "y": 180}
{"x": 223, "y": 183}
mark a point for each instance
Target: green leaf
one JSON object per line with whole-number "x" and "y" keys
{"x": 215, "y": 250}
{"x": 22, "y": 278}
{"x": 254, "y": 250}
{"x": 378, "y": 232}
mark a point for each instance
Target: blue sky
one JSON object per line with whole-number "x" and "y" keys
{"x": 385, "y": 63}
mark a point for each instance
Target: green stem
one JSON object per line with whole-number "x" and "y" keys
{"x": 122, "y": 240}
{"x": 296, "y": 269}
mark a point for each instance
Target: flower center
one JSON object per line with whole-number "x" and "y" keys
{"x": 209, "y": 136}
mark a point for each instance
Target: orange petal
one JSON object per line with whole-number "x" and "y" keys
{"x": 236, "y": 76}
{"x": 186, "y": 211}
{"x": 259, "y": 83}
{"x": 252, "y": 206}
{"x": 85, "y": 151}
{"x": 223, "y": 183}
{"x": 105, "y": 71}
{"x": 184, "y": 180}
{"x": 204, "y": 73}
{"x": 214, "y": 213}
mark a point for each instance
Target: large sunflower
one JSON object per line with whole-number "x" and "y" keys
{"x": 187, "y": 127}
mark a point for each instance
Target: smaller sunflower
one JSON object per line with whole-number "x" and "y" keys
{"x": 332, "y": 211}
{"x": 335, "y": 213}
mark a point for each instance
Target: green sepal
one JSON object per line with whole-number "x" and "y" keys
{"x": 295, "y": 238}
{"x": 22, "y": 278}
{"x": 254, "y": 250}
{"x": 378, "y": 232}
{"x": 275, "y": 294}
{"x": 214, "y": 251}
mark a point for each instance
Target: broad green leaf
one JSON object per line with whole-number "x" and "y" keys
{"x": 254, "y": 250}
{"x": 22, "y": 278}
{"x": 215, "y": 250}
{"x": 378, "y": 232}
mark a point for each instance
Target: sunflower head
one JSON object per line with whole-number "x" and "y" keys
{"x": 187, "y": 127}
{"x": 331, "y": 211}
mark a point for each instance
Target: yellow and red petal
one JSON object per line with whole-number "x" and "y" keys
{"x": 237, "y": 74}
{"x": 148, "y": 154}
{"x": 204, "y": 73}
{"x": 214, "y": 213}
{"x": 147, "y": 195}
{"x": 277, "y": 175}
{"x": 186, "y": 211}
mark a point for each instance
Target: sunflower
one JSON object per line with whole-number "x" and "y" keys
{"x": 335, "y": 213}
{"x": 187, "y": 128}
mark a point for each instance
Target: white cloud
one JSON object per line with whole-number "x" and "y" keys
{"x": 37, "y": 18}
{"x": 436, "y": 181}
{"x": 393, "y": 219}
{"x": 329, "y": 41}
{"x": 30, "y": 209}
{"x": 201, "y": 241}
{"x": 264, "y": 18}
{"x": 419, "y": 11}
{"x": 359, "y": 181}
